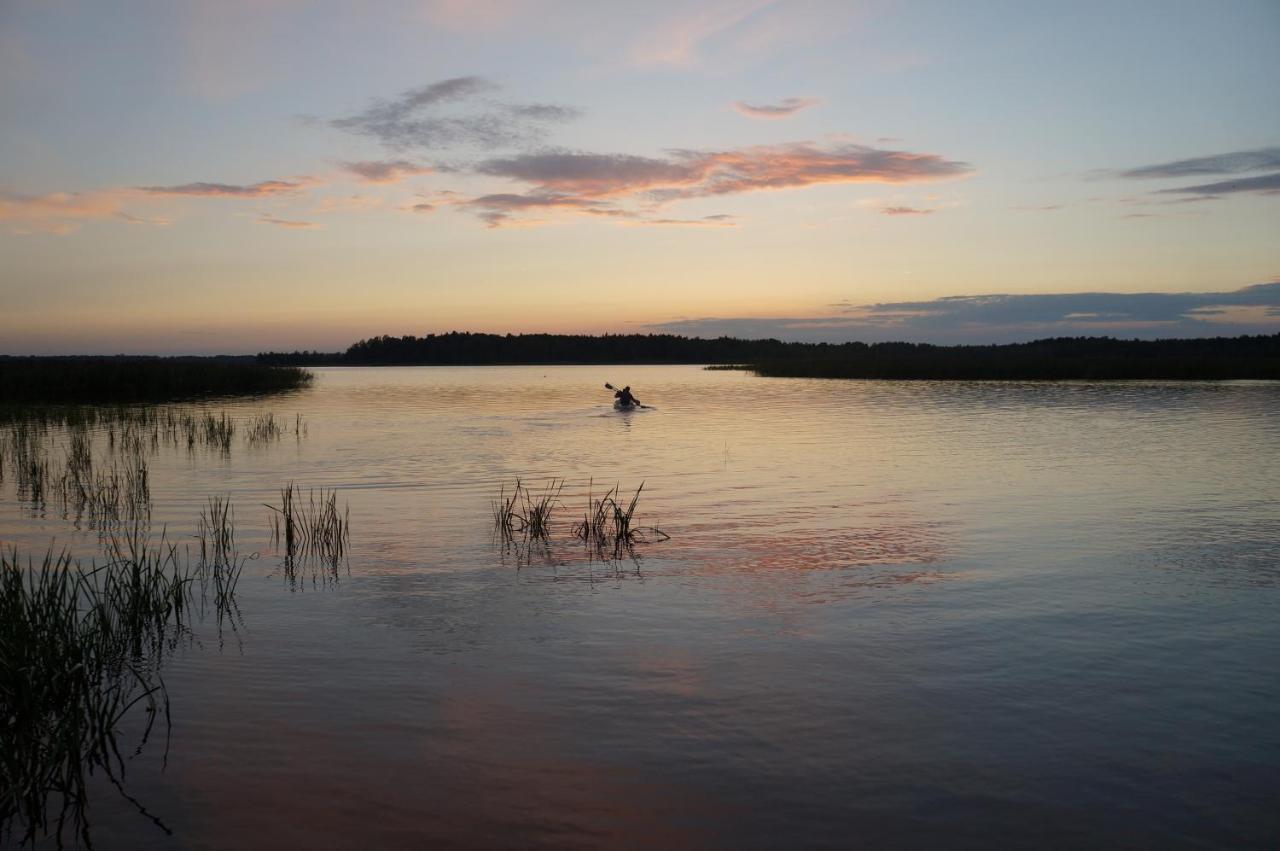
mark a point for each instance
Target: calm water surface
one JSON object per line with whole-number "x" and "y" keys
{"x": 890, "y": 614}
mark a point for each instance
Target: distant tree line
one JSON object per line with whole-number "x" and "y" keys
{"x": 466, "y": 349}
{"x": 77, "y": 380}
{"x": 1060, "y": 358}
{"x": 1255, "y": 357}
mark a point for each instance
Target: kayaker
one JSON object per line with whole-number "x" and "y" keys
{"x": 625, "y": 398}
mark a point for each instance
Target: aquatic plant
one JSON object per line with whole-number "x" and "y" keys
{"x": 263, "y": 428}
{"x": 524, "y": 512}
{"x": 504, "y": 511}
{"x": 107, "y": 497}
{"x": 608, "y": 526}
{"x": 220, "y": 565}
{"x": 82, "y": 652}
{"x": 216, "y": 529}
{"x": 217, "y": 431}
{"x": 313, "y": 528}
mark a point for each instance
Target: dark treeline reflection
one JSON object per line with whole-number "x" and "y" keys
{"x": 1056, "y": 358}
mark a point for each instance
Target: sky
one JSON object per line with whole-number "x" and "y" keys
{"x": 238, "y": 176}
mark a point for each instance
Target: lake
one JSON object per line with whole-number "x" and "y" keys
{"x": 908, "y": 614}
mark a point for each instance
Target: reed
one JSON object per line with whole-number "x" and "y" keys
{"x": 218, "y": 431}
{"x": 263, "y": 428}
{"x": 504, "y": 511}
{"x": 220, "y": 564}
{"x": 525, "y": 512}
{"x": 110, "y": 496}
{"x": 609, "y": 526}
{"x": 311, "y": 528}
{"x": 82, "y": 652}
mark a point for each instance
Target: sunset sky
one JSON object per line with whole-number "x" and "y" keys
{"x": 239, "y": 176}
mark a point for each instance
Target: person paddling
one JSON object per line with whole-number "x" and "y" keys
{"x": 625, "y": 398}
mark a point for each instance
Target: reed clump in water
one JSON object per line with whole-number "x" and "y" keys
{"x": 609, "y": 526}
{"x": 524, "y": 512}
{"x": 220, "y": 565}
{"x": 106, "y": 497}
{"x": 263, "y": 428}
{"x": 312, "y": 528}
{"x": 82, "y": 652}
{"x": 217, "y": 431}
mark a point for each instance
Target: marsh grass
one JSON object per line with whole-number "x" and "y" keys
{"x": 608, "y": 526}
{"x": 219, "y": 565}
{"x": 217, "y": 432}
{"x": 522, "y": 520}
{"x": 49, "y": 452}
{"x": 82, "y": 653}
{"x": 108, "y": 497}
{"x": 526, "y": 513}
{"x": 263, "y": 429}
{"x": 313, "y": 527}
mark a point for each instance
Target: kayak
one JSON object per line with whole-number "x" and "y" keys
{"x": 625, "y": 406}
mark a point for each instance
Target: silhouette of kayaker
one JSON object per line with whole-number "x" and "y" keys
{"x": 625, "y": 398}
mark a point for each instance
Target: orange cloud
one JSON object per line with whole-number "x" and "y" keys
{"x": 384, "y": 171}
{"x": 585, "y": 181}
{"x": 262, "y": 189}
{"x": 62, "y": 212}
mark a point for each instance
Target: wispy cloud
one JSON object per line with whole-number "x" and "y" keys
{"x": 596, "y": 175}
{"x": 263, "y": 189}
{"x": 784, "y": 108}
{"x": 1235, "y": 162}
{"x": 717, "y": 221}
{"x": 416, "y": 118}
{"x": 695, "y": 174}
{"x": 678, "y": 38}
{"x": 62, "y": 213}
{"x": 1267, "y": 184}
{"x": 291, "y": 224}
{"x": 1012, "y": 317}
{"x": 348, "y": 204}
{"x": 384, "y": 171}
{"x": 907, "y": 211}
{"x": 496, "y": 209}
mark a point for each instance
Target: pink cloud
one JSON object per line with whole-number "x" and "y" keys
{"x": 63, "y": 212}
{"x": 262, "y": 189}
{"x": 584, "y": 181}
{"x": 784, "y": 108}
{"x": 384, "y": 171}
{"x": 691, "y": 174}
{"x": 677, "y": 39}
{"x": 268, "y": 219}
